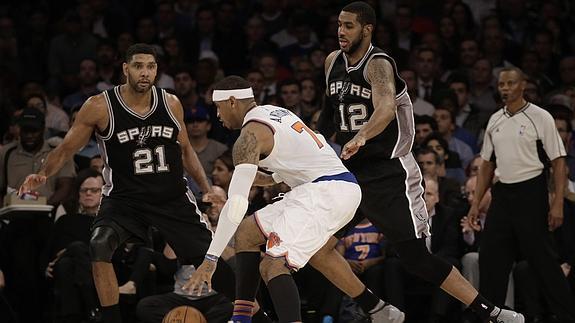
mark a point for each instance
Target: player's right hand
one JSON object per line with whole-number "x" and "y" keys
{"x": 473, "y": 218}
{"x": 31, "y": 182}
{"x": 202, "y": 275}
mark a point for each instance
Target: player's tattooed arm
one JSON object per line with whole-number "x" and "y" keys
{"x": 255, "y": 139}
{"x": 246, "y": 149}
{"x": 381, "y": 76}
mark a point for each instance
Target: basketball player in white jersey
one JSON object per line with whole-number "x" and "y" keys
{"x": 323, "y": 198}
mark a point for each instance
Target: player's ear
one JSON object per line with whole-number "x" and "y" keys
{"x": 367, "y": 30}
{"x": 233, "y": 102}
{"x": 125, "y": 69}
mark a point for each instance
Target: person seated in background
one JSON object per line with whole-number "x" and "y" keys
{"x": 450, "y": 166}
{"x": 430, "y": 164}
{"x": 363, "y": 247}
{"x": 67, "y": 252}
{"x": 97, "y": 163}
{"x": 424, "y": 126}
{"x": 215, "y": 307}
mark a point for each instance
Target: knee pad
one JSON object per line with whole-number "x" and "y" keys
{"x": 418, "y": 260}
{"x": 103, "y": 243}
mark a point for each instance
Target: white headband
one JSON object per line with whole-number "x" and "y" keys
{"x": 222, "y": 95}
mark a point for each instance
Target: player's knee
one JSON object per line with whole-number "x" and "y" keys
{"x": 271, "y": 267}
{"x": 248, "y": 235}
{"x": 103, "y": 243}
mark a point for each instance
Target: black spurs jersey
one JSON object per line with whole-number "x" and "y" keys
{"x": 142, "y": 156}
{"x": 349, "y": 98}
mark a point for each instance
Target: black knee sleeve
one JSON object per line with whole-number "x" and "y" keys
{"x": 103, "y": 243}
{"x": 419, "y": 261}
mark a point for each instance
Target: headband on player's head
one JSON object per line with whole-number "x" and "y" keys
{"x": 223, "y": 95}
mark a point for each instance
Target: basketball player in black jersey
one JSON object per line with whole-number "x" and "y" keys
{"x": 370, "y": 113}
{"x": 140, "y": 136}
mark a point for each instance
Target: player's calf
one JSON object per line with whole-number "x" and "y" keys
{"x": 282, "y": 288}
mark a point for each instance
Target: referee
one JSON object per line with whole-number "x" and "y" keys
{"x": 518, "y": 140}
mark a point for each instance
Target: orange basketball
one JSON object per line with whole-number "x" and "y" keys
{"x": 184, "y": 314}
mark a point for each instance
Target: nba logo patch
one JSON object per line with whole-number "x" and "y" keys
{"x": 273, "y": 240}
{"x": 522, "y": 130}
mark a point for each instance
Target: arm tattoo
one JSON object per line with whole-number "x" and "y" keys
{"x": 246, "y": 149}
{"x": 381, "y": 76}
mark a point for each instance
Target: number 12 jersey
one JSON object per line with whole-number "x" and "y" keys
{"x": 350, "y": 103}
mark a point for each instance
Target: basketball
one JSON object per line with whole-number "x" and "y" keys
{"x": 184, "y": 314}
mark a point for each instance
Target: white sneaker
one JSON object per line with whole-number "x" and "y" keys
{"x": 388, "y": 314}
{"x": 507, "y": 316}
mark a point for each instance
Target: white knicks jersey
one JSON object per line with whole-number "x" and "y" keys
{"x": 299, "y": 155}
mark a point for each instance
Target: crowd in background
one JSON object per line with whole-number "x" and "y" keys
{"x": 56, "y": 54}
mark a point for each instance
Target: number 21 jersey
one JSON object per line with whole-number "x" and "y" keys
{"x": 350, "y": 98}
{"x": 141, "y": 153}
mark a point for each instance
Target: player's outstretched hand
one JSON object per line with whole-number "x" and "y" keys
{"x": 203, "y": 274}
{"x": 352, "y": 146}
{"x": 31, "y": 182}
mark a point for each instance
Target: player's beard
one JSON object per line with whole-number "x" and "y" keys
{"x": 136, "y": 86}
{"x": 355, "y": 45}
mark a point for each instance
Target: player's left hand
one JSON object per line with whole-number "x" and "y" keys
{"x": 555, "y": 217}
{"x": 352, "y": 146}
{"x": 202, "y": 275}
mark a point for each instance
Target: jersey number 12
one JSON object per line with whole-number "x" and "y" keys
{"x": 352, "y": 116}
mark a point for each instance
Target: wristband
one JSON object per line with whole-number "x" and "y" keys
{"x": 211, "y": 258}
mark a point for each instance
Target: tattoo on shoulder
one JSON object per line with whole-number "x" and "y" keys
{"x": 380, "y": 75}
{"x": 246, "y": 148}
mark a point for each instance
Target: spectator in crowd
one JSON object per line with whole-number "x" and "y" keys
{"x": 469, "y": 53}
{"x": 467, "y": 115}
{"x": 223, "y": 170}
{"x": 256, "y": 79}
{"x": 426, "y": 67}
{"x": 97, "y": 163}
{"x": 57, "y": 121}
{"x": 108, "y": 67}
{"x": 420, "y": 106}
{"x": 450, "y": 165}
{"x": 482, "y": 86}
{"x": 424, "y": 126}
{"x": 88, "y": 79}
{"x": 67, "y": 252}
{"x": 215, "y": 307}
{"x": 27, "y": 235}
{"x": 431, "y": 166}
{"x": 446, "y": 127}
{"x": 67, "y": 50}
{"x": 198, "y": 125}
{"x": 310, "y": 98}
